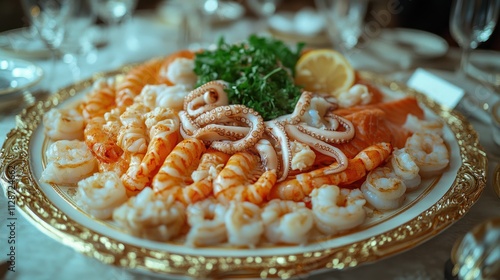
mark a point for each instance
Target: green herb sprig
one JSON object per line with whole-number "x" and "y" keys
{"x": 259, "y": 72}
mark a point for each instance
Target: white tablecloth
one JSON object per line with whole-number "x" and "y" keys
{"x": 40, "y": 257}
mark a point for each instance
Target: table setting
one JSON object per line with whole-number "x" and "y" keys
{"x": 448, "y": 229}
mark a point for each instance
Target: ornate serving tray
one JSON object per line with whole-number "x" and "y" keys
{"x": 438, "y": 203}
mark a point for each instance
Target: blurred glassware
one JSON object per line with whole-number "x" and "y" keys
{"x": 344, "y": 21}
{"x": 79, "y": 46}
{"x": 49, "y": 18}
{"x": 263, "y": 8}
{"x": 113, "y": 13}
{"x": 195, "y": 23}
{"x": 471, "y": 23}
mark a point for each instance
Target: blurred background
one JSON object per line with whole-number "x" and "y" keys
{"x": 427, "y": 15}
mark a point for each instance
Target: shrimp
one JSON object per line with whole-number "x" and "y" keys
{"x": 163, "y": 126}
{"x": 303, "y": 156}
{"x": 101, "y": 141}
{"x": 101, "y": 98}
{"x": 173, "y": 178}
{"x": 302, "y": 185}
{"x": 429, "y": 152}
{"x": 337, "y": 209}
{"x": 135, "y": 80}
{"x": 206, "y": 221}
{"x": 69, "y": 161}
{"x": 405, "y": 168}
{"x": 181, "y": 72}
{"x": 150, "y": 216}
{"x": 132, "y": 137}
{"x": 383, "y": 189}
{"x": 357, "y": 95}
{"x": 415, "y": 124}
{"x": 242, "y": 180}
{"x": 244, "y": 224}
{"x": 100, "y": 194}
{"x": 287, "y": 221}
{"x": 163, "y": 96}
{"x": 63, "y": 124}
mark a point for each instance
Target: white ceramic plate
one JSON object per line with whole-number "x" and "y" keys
{"x": 439, "y": 202}
{"x": 422, "y": 44}
{"x": 17, "y": 75}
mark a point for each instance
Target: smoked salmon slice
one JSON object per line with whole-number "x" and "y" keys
{"x": 381, "y": 122}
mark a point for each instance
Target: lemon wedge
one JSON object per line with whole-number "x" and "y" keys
{"x": 324, "y": 70}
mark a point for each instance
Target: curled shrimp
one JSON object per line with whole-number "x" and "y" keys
{"x": 414, "y": 124}
{"x": 63, "y": 124}
{"x": 175, "y": 175}
{"x": 163, "y": 96}
{"x": 287, "y": 221}
{"x": 336, "y": 209}
{"x": 383, "y": 189}
{"x": 181, "y": 72}
{"x": 150, "y": 216}
{"x": 429, "y": 152}
{"x": 404, "y": 167}
{"x": 301, "y": 186}
{"x": 68, "y": 161}
{"x": 101, "y": 98}
{"x": 206, "y": 221}
{"x": 100, "y": 194}
{"x": 242, "y": 179}
{"x": 135, "y": 80}
{"x": 101, "y": 141}
{"x": 163, "y": 126}
{"x": 132, "y": 137}
{"x": 244, "y": 224}
{"x": 357, "y": 95}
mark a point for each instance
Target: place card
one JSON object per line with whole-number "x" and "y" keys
{"x": 440, "y": 90}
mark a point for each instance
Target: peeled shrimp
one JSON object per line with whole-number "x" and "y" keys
{"x": 287, "y": 221}
{"x": 100, "y": 194}
{"x": 181, "y": 72}
{"x": 206, "y": 219}
{"x": 132, "y": 137}
{"x": 383, "y": 189}
{"x": 163, "y": 96}
{"x": 68, "y": 161}
{"x": 337, "y": 209}
{"x": 163, "y": 126}
{"x": 244, "y": 224}
{"x": 101, "y": 98}
{"x": 415, "y": 124}
{"x": 302, "y": 156}
{"x": 242, "y": 179}
{"x": 150, "y": 216}
{"x": 357, "y": 95}
{"x": 404, "y": 167}
{"x": 102, "y": 141}
{"x": 429, "y": 152}
{"x": 302, "y": 185}
{"x": 63, "y": 124}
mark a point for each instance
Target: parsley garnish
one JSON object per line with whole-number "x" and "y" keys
{"x": 259, "y": 72}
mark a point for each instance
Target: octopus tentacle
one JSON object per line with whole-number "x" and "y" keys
{"x": 276, "y": 131}
{"x": 330, "y": 135}
{"x": 321, "y": 147}
{"x": 205, "y": 98}
{"x": 232, "y": 113}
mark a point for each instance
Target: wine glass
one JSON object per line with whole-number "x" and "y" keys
{"x": 471, "y": 23}
{"x": 263, "y": 8}
{"x": 49, "y": 19}
{"x": 113, "y": 13}
{"x": 344, "y": 21}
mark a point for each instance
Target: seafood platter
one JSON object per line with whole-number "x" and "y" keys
{"x": 246, "y": 160}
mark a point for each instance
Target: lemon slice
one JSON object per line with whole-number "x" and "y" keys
{"x": 324, "y": 70}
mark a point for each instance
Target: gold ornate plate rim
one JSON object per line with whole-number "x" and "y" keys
{"x": 18, "y": 179}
